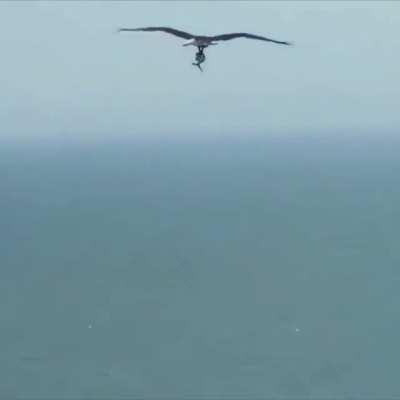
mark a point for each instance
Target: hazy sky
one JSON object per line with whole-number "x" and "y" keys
{"x": 64, "y": 70}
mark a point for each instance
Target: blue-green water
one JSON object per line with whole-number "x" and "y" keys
{"x": 241, "y": 266}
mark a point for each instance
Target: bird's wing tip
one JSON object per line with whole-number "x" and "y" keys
{"x": 126, "y": 29}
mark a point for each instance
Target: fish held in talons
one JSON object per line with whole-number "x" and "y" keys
{"x": 200, "y": 59}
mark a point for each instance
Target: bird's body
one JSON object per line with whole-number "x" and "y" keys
{"x": 201, "y": 41}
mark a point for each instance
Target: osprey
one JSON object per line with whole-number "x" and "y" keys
{"x": 201, "y": 41}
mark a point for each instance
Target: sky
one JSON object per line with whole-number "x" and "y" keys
{"x": 66, "y": 72}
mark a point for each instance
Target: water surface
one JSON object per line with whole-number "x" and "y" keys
{"x": 243, "y": 266}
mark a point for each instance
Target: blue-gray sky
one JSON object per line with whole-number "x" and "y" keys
{"x": 64, "y": 70}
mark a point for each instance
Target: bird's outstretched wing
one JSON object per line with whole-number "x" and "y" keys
{"x": 172, "y": 31}
{"x": 229, "y": 36}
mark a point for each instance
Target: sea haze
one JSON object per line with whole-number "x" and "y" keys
{"x": 247, "y": 266}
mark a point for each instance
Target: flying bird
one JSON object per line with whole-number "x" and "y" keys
{"x": 201, "y": 41}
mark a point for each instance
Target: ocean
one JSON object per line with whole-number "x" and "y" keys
{"x": 226, "y": 266}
